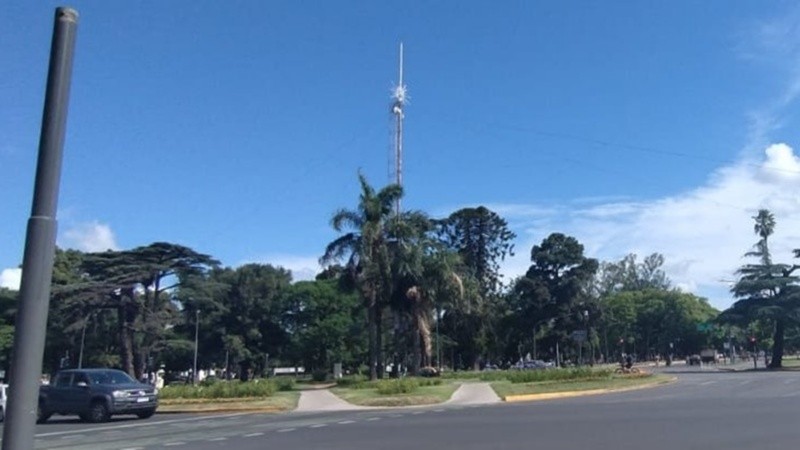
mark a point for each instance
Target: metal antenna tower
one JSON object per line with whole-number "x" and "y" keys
{"x": 399, "y": 96}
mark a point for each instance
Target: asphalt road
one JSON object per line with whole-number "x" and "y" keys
{"x": 703, "y": 410}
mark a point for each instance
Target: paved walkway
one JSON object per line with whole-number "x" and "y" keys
{"x": 473, "y": 394}
{"x": 323, "y": 400}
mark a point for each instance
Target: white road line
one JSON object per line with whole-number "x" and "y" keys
{"x": 286, "y": 430}
{"x": 133, "y": 448}
{"x": 706, "y": 383}
{"x": 372, "y": 419}
{"x": 345, "y": 422}
{"x": 217, "y": 439}
{"x": 394, "y": 416}
{"x": 438, "y": 410}
{"x": 253, "y": 434}
{"x": 174, "y": 444}
{"x": 77, "y": 436}
{"x": 418, "y": 412}
{"x": 138, "y": 425}
{"x": 745, "y": 382}
{"x": 318, "y": 425}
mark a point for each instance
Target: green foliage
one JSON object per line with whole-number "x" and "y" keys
{"x": 398, "y": 386}
{"x": 284, "y": 383}
{"x": 536, "y": 376}
{"x": 221, "y": 389}
{"x": 319, "y": 375}
{"x": 354, "y": 382}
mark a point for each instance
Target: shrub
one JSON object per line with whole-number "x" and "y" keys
{"x": 400, "y": 386}
{"x": 229, "y": 389}
{"x": 534, "y": 376}
{"x": 284, "y": 384}
{"x": 354, "y": 382}
{"x": 319, "y": 375}
{"x": 429, "y": 382}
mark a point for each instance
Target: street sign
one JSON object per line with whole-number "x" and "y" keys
{"x": 579, "y": 335}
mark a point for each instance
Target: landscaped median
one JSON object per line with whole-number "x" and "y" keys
{"x": 396, "y": 392}
{"x": 543, "y": 385}
{"x": 219, "y": 396}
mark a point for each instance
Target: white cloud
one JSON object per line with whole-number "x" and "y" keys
{"x": 10, "y": 278}
{"x": 303, "y": 268}
{"x": 89, "y": 237}
{"x": 702, "y": 233}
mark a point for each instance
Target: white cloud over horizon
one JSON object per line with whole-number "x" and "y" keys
{"x": 702, "y": 232}
{"x": 303, "y": 268}
{"x": 89, "y": 237}
{"x": 11, "y": 278}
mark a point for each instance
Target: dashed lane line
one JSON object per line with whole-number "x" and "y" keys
{"x": 253, "y": 434}
{"x": 345, "y": 422}
{"x": 217, "y": 439}
{"x": 139, "y": 425}
{"x": 318, "y": 425}
{"x": 174, "y": 444}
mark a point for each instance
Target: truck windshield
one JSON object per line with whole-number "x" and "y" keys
{"x": 110, "y": 377}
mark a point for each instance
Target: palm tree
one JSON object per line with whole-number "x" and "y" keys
{"x": 364, "y": 246}
{"x": 764, "y": 226}
{"x": 766, "y": 291}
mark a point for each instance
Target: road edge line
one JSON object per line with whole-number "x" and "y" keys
{"x": 588, "y": 392}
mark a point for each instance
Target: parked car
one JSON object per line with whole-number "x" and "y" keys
{"x": 95, "y": 395}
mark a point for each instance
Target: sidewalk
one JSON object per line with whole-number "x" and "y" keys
{"x": 473, "y": 394}
{"x": 324, "y": 400}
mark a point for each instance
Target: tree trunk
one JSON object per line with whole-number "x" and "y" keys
{"x": 373, "y": 339}
{"x": 379, "y": 341}
{"x": 777, "y": 347}
{"x": 125, "y": 338}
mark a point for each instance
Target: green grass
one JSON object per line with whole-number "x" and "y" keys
{"x": 280, "y": 401}
{"x": 422, "y": 395}
{"x": 506, "y": 388}
{"x": 790, "y": 361}
{"x": 222, "y": 389}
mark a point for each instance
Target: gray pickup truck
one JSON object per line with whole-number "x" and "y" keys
{"x": 95, "y": 395}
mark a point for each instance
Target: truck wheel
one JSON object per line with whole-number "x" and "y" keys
{"x": 98, "y": 412}
{"x": 42, "y": 414}
{"x": 146, "y": 414}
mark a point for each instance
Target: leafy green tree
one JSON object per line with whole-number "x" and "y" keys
{"x": 556, "y": 287}
{"x": 321, "y": 319}
{"x": 766, "y": 291}
{"x": 364, "y": 248}
{"x": 483, "y": 240}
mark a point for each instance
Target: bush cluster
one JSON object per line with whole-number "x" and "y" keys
{"x": 221, "y": 389}
{"x": 398, "y": 386}
{"x": 536, "y": 376}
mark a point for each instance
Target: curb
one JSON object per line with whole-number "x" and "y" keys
{"x": 570, "y": 394}
{"x": 222, "y": 410}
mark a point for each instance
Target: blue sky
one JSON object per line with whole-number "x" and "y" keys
{"x": 237, "y": 128}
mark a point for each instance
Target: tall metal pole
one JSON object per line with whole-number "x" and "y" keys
{"x": 196, "y": 332}
{"x": 399, "y": 97}
{"x": 83, "y": 339}
{"x": 37, "y": 264}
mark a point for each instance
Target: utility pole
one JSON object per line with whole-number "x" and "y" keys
{"x": 83, "y": 339}
{"x": 37, "y": 265}
{"x": 399, "y": 97}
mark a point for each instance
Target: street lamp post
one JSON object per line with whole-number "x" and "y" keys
{"x": 83, "y": 339}
{"x": 196, "y": 333}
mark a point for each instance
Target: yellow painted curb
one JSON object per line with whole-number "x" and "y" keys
{"x": 568, "y": 394}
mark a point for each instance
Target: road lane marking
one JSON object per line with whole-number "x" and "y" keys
{"x": 217, "y": 439}
{"x": 254, "y": 434}
{"x": 137, "y": 425}
{"x": 745, "y": 382}
{"x": 174, "y": 444}
{"x": 418, "y": 412}
{"x": 133, "y": 448}
{"x": 345, "y": 422}
{"x": 318, "y": 425}
{"x": 438, "y": 410}
{"x": 77, "y": 436}
{"x": 706, "y": 383}
{"x": 286, "y": 430}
